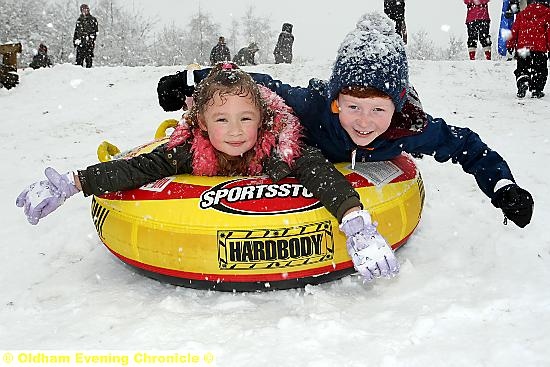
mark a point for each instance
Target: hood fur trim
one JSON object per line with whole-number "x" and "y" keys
{"x": 281, "y": 136}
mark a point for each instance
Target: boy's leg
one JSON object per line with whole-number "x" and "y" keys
{"x": 522, "y": 75}
{"x": 539, "y": 73}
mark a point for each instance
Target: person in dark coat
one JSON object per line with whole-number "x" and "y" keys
{"x": 41, "y": 59}
{"x": 220, "y": 52}
{"x": 368, "y": 111}
{"x": 85, "y": 33}
{"x": 245, "y": 56}
{"x": 283, "y": 49}
{"x": 531, "y": 40}
{"x": 395, "y": 10}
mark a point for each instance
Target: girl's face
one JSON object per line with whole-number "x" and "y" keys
{"x": 364, "y": 119}
{"x": 232, "y": 123}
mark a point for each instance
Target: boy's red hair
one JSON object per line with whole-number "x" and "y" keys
{"x": 363, "y": 92}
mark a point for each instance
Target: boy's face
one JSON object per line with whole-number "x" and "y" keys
{"x": 232, "y": 123}
{"x": 364, "y": 119}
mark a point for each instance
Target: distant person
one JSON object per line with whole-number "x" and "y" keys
{"x": 41, "y": 59}
{"x": 245, "y": 56}
{"x": 477, "y": 24}
{"x": 85, "y": 33}
{"x": 531, "y": 41}
{"x": 220, "y": 52}
{"x": 509, "y": 10}
{"x": 395, "y": 10}
{"x": 283, "y": 49}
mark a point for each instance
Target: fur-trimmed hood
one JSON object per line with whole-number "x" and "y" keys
{"x": 280, "y": 136}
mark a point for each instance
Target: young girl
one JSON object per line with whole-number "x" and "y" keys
{"x": 235, "y": 127}
{"x": 478, "y": 23}
{"x": 367, "y": 111}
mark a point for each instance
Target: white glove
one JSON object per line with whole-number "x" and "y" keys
{"x": 43, "y": 197}
{"x": 371, "y": 255}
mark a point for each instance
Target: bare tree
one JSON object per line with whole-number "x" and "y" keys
{"x": 28, "y": 22}
{"x": 123, "y": 35}
{"x": 456, "y": 49}
{"x": 258, "y": 29}
{"x": 421, "y": 47}
{"x": 61, "y": 47}
{"x": 202, "y": 34}
{"x": 122, "y": 40}
{"x": 233, "y": 38}
{"x": 171, "y": 47}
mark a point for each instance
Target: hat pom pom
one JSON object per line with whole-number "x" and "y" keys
{"x": 376, "y": 22}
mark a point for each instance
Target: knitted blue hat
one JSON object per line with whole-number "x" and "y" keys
{"x": 372, "y": 55}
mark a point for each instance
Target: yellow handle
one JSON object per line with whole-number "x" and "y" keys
{"x": 106, "y": 151}
{"x": 165, "y": 125}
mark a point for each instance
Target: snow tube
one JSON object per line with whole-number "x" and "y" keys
{"x": 248, "y": 233}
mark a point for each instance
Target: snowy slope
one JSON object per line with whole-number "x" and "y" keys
{"x": 471, "y": 291}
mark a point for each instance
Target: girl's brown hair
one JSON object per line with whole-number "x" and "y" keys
{"x": 227, "y": 79}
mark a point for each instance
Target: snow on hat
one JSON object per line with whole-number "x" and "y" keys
{"x": 372, "y": 55}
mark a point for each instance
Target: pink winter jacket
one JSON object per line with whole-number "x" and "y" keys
{"x": 477, "y": 10}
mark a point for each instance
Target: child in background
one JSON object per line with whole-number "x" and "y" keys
{"x": 478, "y": 23}
{"x": 530, "y": 39}
{"x": 235, "y": 127}
{"x": 367, "y": 111}
{"x": 41, "y": 59}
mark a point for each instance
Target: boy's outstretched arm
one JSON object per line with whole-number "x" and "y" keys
{"x": 492, "y": 173}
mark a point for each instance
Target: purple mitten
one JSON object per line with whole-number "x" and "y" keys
{"x": 43, "y": 197}
{"x": 371, "y": 255}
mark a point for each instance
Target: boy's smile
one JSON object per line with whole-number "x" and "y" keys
{"x": 364, "y": 119}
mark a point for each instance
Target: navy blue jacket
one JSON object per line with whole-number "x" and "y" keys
{"x": 411, "y": 131}
{"x": 434, "y": 137}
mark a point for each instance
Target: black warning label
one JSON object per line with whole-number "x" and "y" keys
{"x": 286, "y": 247}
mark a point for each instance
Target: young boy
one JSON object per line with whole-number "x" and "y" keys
{"x": 531, "y": 40}
{"x": 367, "y": 111}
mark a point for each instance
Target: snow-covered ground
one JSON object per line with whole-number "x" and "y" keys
{"x": 471, "y": 292}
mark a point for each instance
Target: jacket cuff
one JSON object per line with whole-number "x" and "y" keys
{"x": 346, "y": 205}
{"x": 84, "y": 184}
